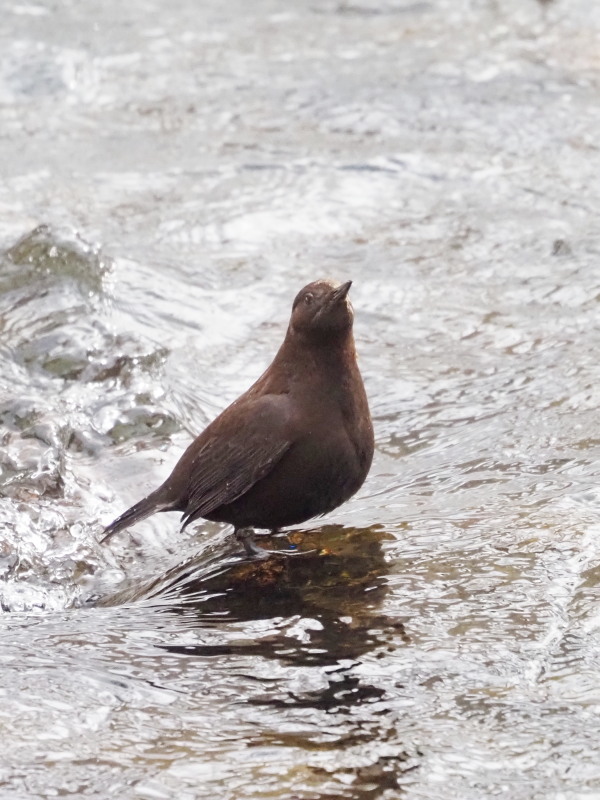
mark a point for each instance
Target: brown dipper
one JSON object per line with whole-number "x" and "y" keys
{"x": 296, "y": 445}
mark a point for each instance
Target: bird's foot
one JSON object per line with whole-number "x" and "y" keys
{"x": 246, "y": 537}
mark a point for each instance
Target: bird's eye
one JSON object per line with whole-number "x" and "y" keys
{"x": 308, "y": 298}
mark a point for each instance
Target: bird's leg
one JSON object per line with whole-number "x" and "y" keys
{"x": 246, "y": 537}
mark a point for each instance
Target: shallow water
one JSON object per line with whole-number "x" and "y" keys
{"x": 171, "y": 176}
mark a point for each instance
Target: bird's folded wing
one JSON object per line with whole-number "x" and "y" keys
{"x": 226, "y": 467}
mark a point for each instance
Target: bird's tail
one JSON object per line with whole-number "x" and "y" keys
{"x": 149, "y": 505}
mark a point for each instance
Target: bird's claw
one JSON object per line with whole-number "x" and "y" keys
{"x": 246, "y": 537}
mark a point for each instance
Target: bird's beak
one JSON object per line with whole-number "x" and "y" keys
{"x": 340, "y": 293}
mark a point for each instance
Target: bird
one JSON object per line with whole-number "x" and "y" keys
{"x": 296, "y": 445}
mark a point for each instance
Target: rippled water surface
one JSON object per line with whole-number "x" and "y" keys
{"x": 172, "y": 174}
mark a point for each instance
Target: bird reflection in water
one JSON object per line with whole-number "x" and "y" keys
{"x": 331, "y": 592}
{"x": 336, "y": 576}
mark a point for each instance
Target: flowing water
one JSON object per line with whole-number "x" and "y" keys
{"x": 172, "y": 174}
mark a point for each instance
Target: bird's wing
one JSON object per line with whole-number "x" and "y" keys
{"x": 233, "y": 459}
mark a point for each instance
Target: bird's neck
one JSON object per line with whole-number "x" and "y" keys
{"x": 305, "y": 359}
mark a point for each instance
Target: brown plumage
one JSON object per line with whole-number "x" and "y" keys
{"x": 296, "y": 445}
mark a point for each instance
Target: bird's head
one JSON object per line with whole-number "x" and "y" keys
{"x": 322, "y": 311}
